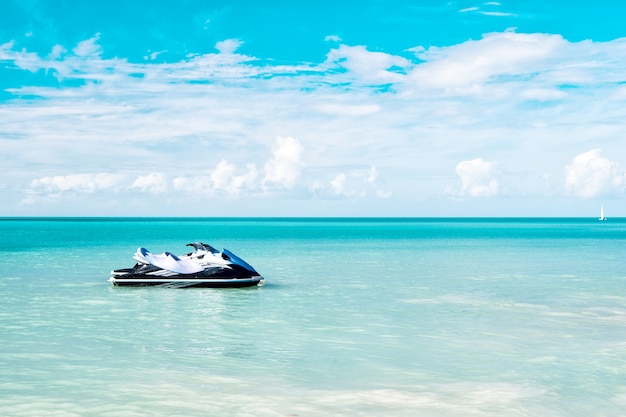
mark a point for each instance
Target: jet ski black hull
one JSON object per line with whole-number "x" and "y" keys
{"x": 187, "y": 282}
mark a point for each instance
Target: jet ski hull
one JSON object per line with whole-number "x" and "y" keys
{"x": 187, "y": 282}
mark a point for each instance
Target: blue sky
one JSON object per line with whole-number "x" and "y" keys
{"x": 369, "y": 108}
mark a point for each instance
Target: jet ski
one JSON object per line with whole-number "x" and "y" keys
{"x": 205, "y": 266}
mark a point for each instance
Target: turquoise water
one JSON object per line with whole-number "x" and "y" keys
{"x": 358, "y": 317}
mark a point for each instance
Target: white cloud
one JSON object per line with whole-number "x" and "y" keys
{"x": 22, "y": 59}
{"x": 543, "y": 94}
{"x": 78, "y": 183}
{"x": 221, "y": 175}
{"x": 520, "y": 98}
{"x": 489, "y": 5}
{"x": 57, "y": 52}
{"x": 591, "y": 175}
{"x": 348, "y": 109}
{"x": 338, "y": 184}
{"x": 476, "y": 62}
{"x": 246, "y": 181}
{"x": 223, "y": 180}
{"x": 154, "y": 55}
{"x": 88, "y": 48}
{"x": 372, "y": 176}
{"x": 478, "y": 178}
{"x": 356, "y": 183}
{"x": 154, "y": 183}
{"x": 497, "y": 14}
{"x": 283, "y": 169}
{"x": 195, "y": 185}
{"x": 366, "y": 66}
{"x": 228, "y": 46}
{"x": 332, "y": 38}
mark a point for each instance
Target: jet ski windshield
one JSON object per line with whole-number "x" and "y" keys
{"x": 203, "y": 247}
{"x": 237, "y": 260}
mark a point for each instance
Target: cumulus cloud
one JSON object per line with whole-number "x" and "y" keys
{"x": 222, "y": 180}
{"x": 591, "y": 175}
{"x": 478, "y": 178}
{"x": 283, "y": 169}
{"x": 355, "y": 183}
{"x": 221, "y": 175}
{"x": 154, "y": 183}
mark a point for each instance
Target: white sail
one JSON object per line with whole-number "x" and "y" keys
{"x": 602, "y": 213}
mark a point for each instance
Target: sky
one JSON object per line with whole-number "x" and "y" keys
{"x": 421, "y": 108}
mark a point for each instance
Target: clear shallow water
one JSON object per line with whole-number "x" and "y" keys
{"x": 358, "y": 317}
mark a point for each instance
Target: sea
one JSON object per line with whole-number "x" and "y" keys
{"x": 358, "y": 317}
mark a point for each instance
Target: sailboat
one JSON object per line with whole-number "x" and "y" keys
{"x": 602, "y": 213}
